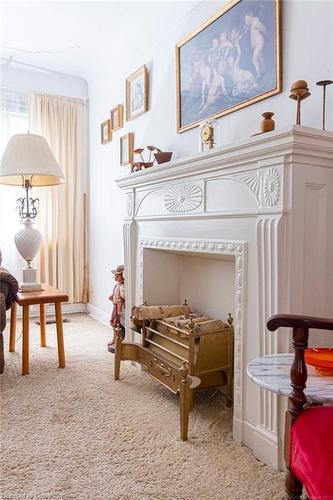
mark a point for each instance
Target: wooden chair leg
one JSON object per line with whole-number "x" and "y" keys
{"x": 12, "y": 330}
{"x": 293, "y": 486}
{"x": 117, "y": 351}
{"x": 25, "y": 341}
{"x": 185, "y": 400}
{"x": 42, "y": 320}
{"x": 191, "y": 400}
{"x": 60, "y": 335}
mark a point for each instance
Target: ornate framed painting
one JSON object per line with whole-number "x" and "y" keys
{"x": 231, "y": 61}
{"x": 106, "y": 132}
{"x": 137, "y": 93}
{"x": 126, "y": 149}
{"x": 117, "y": 117}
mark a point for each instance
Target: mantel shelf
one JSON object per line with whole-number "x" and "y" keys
{"x": 295, "y": 139}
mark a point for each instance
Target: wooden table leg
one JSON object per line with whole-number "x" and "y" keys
{"x": 60, "y": 335}
{"x": 25, "y": 341}
{"x": 42, "y": 320}
{"x": 184, "y": 401}
{"x": 12, "y": 331}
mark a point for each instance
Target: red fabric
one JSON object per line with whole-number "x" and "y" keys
{"x": 311, "y": 451}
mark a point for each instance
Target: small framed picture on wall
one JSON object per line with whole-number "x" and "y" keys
{"x": 106, "y": 132}
{"x": 117, "y": 117}
{"x": 137, "y": 93}
{"x": 126, "y": 149}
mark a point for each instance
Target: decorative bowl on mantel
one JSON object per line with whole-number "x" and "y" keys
{"x": 163, "y": 156}
{"x": 321, "y": 358}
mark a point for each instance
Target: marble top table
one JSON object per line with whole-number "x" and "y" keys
{"x": 273, "y": 373}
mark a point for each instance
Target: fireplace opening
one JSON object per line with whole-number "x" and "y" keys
{"x": 206, "y": 281}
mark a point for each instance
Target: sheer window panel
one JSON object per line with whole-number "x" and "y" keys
{"x": 13, "y": 120}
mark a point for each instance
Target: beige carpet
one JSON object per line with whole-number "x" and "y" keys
{"x": 77, "y": 434}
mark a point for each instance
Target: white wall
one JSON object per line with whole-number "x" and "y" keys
{"x": 50, "y": 82}
{"x": 307, "y": 54}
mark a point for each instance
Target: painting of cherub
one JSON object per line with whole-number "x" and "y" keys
{"x": 231, "y": 61}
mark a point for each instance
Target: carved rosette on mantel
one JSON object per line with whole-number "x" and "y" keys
{"x": 183, "y": 198}
{"x": 271, "y": 187}
{"x": 129, "y": 204}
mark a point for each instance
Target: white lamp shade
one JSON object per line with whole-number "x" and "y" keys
{"x": 29, "y": 156}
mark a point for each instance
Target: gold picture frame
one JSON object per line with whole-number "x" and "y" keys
{"x": 126, "y": 149}
{"x": 227, "y": 51}
{"x": 106, "y": 132}
{"x": 117, "y": 117}
{"x": 137, "y": 94}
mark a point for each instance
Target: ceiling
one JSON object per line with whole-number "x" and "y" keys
{"x": 78, "y": 37}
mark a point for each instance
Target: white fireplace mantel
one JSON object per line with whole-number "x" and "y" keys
{"x": 268, "y": 202}
{"x": 296, "y": 139}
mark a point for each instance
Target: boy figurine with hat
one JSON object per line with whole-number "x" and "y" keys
{"x": 118, "y": 300}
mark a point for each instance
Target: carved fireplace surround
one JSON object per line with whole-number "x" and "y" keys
{"x": 268, "y": 202}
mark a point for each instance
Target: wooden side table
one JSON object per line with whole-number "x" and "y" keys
{"x": 49, "y": 295}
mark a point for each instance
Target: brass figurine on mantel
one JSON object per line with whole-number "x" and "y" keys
{"x": 324, "y": 83}
{"x": 299, "y": 91}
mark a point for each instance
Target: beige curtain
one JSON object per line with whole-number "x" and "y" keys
{"x": 62, "y": 215}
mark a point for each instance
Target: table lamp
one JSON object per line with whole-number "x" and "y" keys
{"x": 28, "y": 161}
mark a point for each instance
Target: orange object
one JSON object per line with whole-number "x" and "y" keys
{"x": 321, "y": 358}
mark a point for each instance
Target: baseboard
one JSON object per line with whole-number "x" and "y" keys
{"x": 243, "y": 432}
{"x": 266, "y": 447}
{"x": 74, "y": 308}
{"x": 98, "y": 314}
{"x": 264, "y": 444}
{"x": 237, "y": 430}
{"x": 49, "y": 310}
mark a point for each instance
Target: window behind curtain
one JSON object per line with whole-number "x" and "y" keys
{"x": 13, "y": 120}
